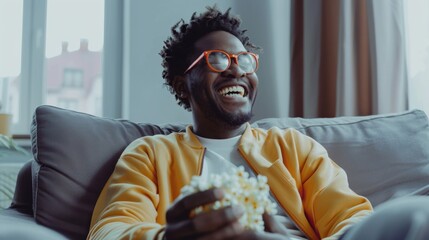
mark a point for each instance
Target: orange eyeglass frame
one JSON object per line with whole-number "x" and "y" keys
{"x": 205, "y": 54}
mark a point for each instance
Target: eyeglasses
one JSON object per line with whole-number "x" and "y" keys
{"x": 219, "y": 61}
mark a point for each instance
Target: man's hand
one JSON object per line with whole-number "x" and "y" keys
{"x": 274, "y": 224}
{"x": 217, "y": 224}
{"x": 274, "y": 230}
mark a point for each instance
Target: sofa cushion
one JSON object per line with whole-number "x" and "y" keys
{"x": 76, "y": 153}
{"x": 385, "y": 156}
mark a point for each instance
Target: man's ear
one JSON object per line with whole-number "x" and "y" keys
{"x": 180, "y": 87}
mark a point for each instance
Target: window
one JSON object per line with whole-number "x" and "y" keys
{"x": 52, "y": 53}
{"x": 73, "y": 56}
{"x": 10, "y": 58}
{"x": 417, "y": 30}
{"x": 72, "y": 104}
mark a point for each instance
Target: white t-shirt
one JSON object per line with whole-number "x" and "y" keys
{"x": 221, "y": 155}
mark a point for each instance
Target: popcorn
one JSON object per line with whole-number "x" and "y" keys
{"x": 240, "y": 189}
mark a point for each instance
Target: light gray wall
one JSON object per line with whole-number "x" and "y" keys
{"x": 268, "y": 24}
{"x": 147, "y": 24}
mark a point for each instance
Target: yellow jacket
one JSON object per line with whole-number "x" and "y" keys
{"x": 311, "y": 188}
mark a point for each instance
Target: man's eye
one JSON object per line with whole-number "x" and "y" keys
{"x": 245, "y": 59}
{"x": 217, "y": 57}
{"x": 222, "y": 56}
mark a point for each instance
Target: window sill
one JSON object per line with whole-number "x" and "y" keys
{"x": 23, "y": 140}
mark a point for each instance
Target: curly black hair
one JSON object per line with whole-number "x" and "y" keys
{"x": 178, "y": 48}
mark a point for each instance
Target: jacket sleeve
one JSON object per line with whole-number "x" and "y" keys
{"x": 127, "y": 205}
{"x": 329, "y": 203}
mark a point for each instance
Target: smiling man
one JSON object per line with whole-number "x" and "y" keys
{"x": 224, "y": 95}
{"x": 210, "y": 66}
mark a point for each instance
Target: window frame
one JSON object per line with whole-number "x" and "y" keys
{"x": 32, "y": 62}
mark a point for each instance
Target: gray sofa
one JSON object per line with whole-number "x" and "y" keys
{"x": 385, "y": 156}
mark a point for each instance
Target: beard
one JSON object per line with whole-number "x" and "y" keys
{"x": 214, "y": 111}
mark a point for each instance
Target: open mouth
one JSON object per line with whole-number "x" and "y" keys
{"x": 233, "y": 91}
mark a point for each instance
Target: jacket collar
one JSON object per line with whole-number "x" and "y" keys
{"x": 191, "y": 139}
{"x": 249, "y": 142}
{"x": 248, "y": 137}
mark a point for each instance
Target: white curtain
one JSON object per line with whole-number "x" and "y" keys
{"x": 387, "y": 41}
{"x": 325, "y": 58}
{"x": 417, "y": 32}
{"x": 353, "y": 58}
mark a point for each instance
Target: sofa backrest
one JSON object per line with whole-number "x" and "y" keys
{"x": 385, "y": 156}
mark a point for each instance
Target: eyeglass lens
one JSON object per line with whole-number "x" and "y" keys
{"x": 220, "y": 61}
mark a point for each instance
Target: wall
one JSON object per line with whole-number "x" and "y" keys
{"x": 147, "y": 25}
{"x": 268, "y": 24}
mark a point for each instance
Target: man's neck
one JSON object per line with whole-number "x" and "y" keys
{"x": 219, "y": 131}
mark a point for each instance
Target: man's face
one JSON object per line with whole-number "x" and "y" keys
{"x": 212, "y": 95}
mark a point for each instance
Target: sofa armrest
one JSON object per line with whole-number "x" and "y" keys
{"x": 12, "y": 224}
{"x": 23, "y": 196}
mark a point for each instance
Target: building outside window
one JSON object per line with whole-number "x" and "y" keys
{"x": 50, "y": 49}
{"x": 72, "y": 78}
{"x": 72, "y": 104}
{"x": 73, "y": 55}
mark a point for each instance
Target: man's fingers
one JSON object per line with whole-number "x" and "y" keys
{"x": 274, "y": 226}
{"x": 181, "y": 209}
{"x": 271, "y": 225}
{"x": 255, "y": 235}
{"x": 215, "y": 219}
{"x": 230, "y": 231}
{"x": 205, "y": 223}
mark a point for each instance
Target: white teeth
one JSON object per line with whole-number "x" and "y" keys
{"x": 232, "y": 91}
